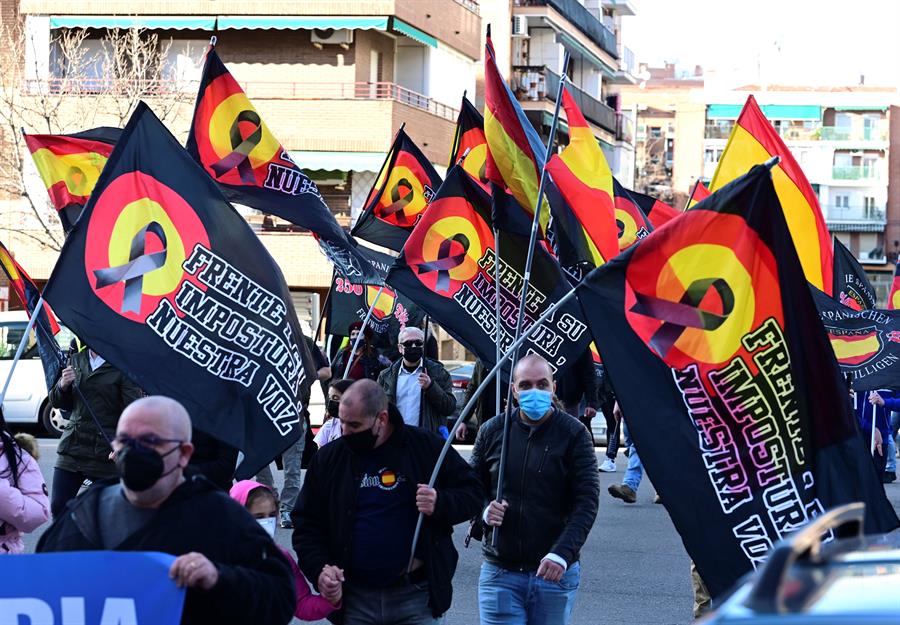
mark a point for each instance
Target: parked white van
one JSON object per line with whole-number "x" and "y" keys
{"x": 26, "y": 400}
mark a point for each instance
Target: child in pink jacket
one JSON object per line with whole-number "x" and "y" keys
{"x": 262, "y": 503}
{"x": 23, "y": 494}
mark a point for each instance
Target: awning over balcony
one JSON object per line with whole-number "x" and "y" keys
{"x": 412, "y": 32}
{"x": 772, "y": 111}
{"x": 287, "y": 22}
{"x": 161, "y": 22}
{"x": 860, "y": 108}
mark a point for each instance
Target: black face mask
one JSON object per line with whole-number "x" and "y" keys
{"x": 332, "y": 406}
{"x": 361, "y": 442}
{"x": 141, "y": 467}
{"x": 412, "y": 354}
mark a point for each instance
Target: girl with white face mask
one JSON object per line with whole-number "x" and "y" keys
{"x": 262, "y": 503}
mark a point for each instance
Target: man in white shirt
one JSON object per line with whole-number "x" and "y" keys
{"x": 420, "y": 387}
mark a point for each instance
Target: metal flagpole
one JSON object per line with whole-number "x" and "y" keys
{"x": 21, "y": 348}
{"x": 464, "y": 413}
{"x": 362, "y": 330}
{"x": 497, "y": 402}
{"x": 872, "y": 441}
{"x": 532, "y": 242}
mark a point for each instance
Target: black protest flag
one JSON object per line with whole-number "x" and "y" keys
{"x": 45, "y": 326}
{"x": 866, "y": 342}
{"x": 349, "y": 302}
{"x": 447, "y": 268}
{"x": 851, "y": 284}
{"x": 235, "y": 147}
{"x": 69, "y": 166}
{"x": 164, "y": 279}
{"x": 727, "y": 381}
{"x": 658, "y": 212}
{"x": 399, "y": 197}
{"x": 470, "y": 144}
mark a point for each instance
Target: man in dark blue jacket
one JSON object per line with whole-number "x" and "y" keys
{"x": 881, "y": 403}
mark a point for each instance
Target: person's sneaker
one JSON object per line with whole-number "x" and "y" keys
{"x": 657, "y": 499}
{"x": 889, "y": 477}
{"x": 623, "y": 492}
{"x": 608, "y": 466}
{"x": 286, "y": 522}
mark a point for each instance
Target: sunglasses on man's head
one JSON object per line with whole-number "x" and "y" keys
{"x": 412, "y": 343}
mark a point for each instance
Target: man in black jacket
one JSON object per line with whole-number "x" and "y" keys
{"x": 357, "y": 512}
{"x": 232, "y": 570}
{"x": 551, "y": 495}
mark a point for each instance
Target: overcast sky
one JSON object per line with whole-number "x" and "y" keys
{"x": 788, "y": 41}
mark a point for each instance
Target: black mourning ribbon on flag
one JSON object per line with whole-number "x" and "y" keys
{"x": 241, "y": 148}
{"x": 399, "y": 202}
{"x": 446, "y": 260}
{"x": 678, "y": 316}
{"x": 138, "y": 265}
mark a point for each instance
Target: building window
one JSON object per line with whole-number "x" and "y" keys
{"x": 655, "y": 132}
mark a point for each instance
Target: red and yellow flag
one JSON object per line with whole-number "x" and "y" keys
{"x": 515, "y": 151}
{"x": 69, "y": 166}
{"x": 894, "y": 297}
{"x": 754, "y": 141}
{"x": 698, "y": 194}
{"x": 585, "y": 181}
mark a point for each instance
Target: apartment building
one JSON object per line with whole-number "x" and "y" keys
{"x": 599, "y": 64}
{"x": 841, "y": 139}
{"x": 333, "y": 79}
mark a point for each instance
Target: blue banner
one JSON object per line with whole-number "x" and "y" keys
{"x": 89, "y": 587}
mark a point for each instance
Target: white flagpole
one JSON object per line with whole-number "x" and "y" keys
{"x": 362, "y": 331}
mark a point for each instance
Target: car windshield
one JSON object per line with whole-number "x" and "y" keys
{"x": 843, "y": 588}
{"x": 11, "y": 334}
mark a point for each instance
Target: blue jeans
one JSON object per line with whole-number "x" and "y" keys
{"x": 406, "y": 604}
{"x": 890, "y": 451}
{"x": 635, "y": 470}
{"x": 512, "y": 598}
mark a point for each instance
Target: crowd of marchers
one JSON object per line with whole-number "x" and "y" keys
{"x": 529, "y": 491}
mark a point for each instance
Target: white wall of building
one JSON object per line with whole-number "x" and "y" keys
{"x": 449, "y": 72}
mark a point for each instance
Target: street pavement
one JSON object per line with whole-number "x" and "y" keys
{"x": 634, "y": 568}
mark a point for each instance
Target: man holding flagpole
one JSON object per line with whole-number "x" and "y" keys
{"x": 550, "y": 502}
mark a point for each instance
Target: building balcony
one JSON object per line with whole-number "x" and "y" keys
{"x": 855, "y": 218}
{"x": 716, "y": 132}
{"x": 839, "y": 133}
{"x": 624, "y": 128}
{"x": 856, "y": 173}
{"x": 457, "y": 23}
{"x": 534, "y": 84}
{"x": 583, "y": 20}
{"x": 329, "y": 117}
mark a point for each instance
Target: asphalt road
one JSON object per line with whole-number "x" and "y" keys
{"x": 634, "y": 568}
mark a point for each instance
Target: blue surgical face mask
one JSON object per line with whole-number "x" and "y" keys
{"x": 535, "y": 403}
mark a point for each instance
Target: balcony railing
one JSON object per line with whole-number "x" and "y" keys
{"x": 717, "y": 132}
{"x": 255, "y": 90}
{"x": 624, "y": 128}
{"x": 855, "y": 214}
{"x": 855, "y": 172}
{"x": 535, "y": 83}
{"x": 583, "y": 19}
{"x": 839, "y": 133}
{"x": 626, "y": 60}
{"x": 472, "y": 5}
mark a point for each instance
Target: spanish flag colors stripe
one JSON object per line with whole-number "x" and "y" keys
{"x": 753, "y": 141}
{"x": 585, "y": 181}
{"x": 515, "y": 151}
{"x": 24, "y": 286}
{"x": 894, "y": 297}
{"x": 852, "y": 350}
